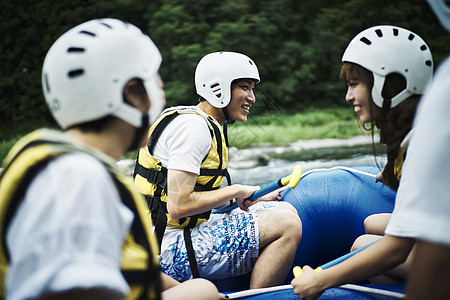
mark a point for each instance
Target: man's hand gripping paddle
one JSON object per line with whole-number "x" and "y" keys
{"x": 290, "y": 180}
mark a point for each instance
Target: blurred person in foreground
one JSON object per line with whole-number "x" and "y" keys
{"x": 423, "y": 210}
{"x": 72, "y": 225}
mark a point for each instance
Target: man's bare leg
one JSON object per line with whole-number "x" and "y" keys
{"x": 280, "y": 231}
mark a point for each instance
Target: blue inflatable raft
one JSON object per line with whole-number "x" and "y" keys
{"x": 332, "y": 205}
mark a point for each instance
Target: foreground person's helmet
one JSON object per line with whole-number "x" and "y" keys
{"x": 86, "y": 69}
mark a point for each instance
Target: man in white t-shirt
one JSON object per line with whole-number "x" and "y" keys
{"x": 422, "y": 209}
{"x": 181, "y": 173}
{"x": 73, "y": 226}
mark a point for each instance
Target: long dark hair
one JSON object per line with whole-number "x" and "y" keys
{"x": 399, "y": 123}
{"x": 393, "y": 123}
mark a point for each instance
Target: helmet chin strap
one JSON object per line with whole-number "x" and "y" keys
{"x": 139, "y": 132}
{"x": 225, "y": 124}
{"x": 384, "y": 112}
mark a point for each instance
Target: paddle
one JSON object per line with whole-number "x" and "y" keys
{"x": 291, "y": 179}
{"x": 298, "y": 271}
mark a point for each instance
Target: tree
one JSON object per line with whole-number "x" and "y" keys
{"x": 297, "y": 45}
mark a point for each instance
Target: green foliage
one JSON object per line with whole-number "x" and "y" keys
{"x": 276, "y": 128}
{"x": 5, "y": 146}
{"x": 297, "y": 45}
{"x": 282, "y": 129}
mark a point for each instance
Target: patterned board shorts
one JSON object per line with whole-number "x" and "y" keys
{"x": 226, "y": 245}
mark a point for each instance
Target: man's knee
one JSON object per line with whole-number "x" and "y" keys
{"x": 280, "y": 221}
{"x": 288, "y": 206}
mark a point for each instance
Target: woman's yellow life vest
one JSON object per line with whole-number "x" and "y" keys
{"x": 400, "y": 159}
{"x": 140, "y": 264}
{"x": 150, "y": 176}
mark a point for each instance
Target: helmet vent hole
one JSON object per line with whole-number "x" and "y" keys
{"x": 87, "y": 33}
{"x": 75, "y": 73}
{"x": 250, "y": 62}
{"x": 379, "y": 33}
{"x": 106, "y": 25}
{"x": 75, "y": 50}
{"x": 216, "y": 89}
{"x": 395, "y": 31}
{"x": 366, "y": 41}
{"x": 428, "y": 63}
{"x": 47, "y": 86}
{"x": 411, "y": 37}
{"x": 423, "y": 47}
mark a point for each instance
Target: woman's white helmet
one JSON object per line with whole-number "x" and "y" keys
{"x": 216, "y": 71}
{"x": 86, "y": 69}
{"x": 388, "y": 49}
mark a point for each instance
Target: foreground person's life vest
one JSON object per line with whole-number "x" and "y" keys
{"x": 140, "y": 265}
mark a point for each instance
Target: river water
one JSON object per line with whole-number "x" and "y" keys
{"x": 311, "y": 154}
{"x": 264, "y": 164}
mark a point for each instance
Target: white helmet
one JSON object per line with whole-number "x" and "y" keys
{"x": 86, "y": 69}
{"x": 216, "y": 71}
{"x": 389, "y": 49}
{"x": 442, "y": 9}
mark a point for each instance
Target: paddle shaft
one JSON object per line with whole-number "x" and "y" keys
{"x": 297, "y": 270}
{"x": 276, "y": 184}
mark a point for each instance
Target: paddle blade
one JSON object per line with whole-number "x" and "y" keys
{"x": 295, "y": 176}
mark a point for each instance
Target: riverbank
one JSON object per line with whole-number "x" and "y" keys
{"x": 278, "y": 128}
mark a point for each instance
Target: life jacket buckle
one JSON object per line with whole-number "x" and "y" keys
{"x": 152, "y": 202}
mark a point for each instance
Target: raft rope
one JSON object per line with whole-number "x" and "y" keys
{"x": 353, "y": 287}
{"x": 340, "y": 168}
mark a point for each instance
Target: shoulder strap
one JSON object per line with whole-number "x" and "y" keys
{"x": 21, "y": 189}
{"x": 209, "y": 185}
{"x": 159, "y": 129}
{"x": 150, "y": 276}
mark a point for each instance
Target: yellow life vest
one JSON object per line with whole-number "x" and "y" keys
{"x": 150, "y": 176}
{"x": 140, "y": 264}
{"x": 398, "y": 163}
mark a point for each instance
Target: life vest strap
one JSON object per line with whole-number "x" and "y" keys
{"x": 159, "y": 129}
{"x": 213, "y": 172}
{"x": 190, "y": 249}
{"x": 160, "y": 222}
{"x": 152, "y": 175}
{"x": 152, "y": 202}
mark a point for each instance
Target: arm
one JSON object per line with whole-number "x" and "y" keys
{"x": 167, "y": 282}
{"x": 387, "y": 253}
{"x": 182, "y": 201}
{"x": 198, "y": 288}
{"x": 430, "y": 272}
{"x": 272, "y": 196}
